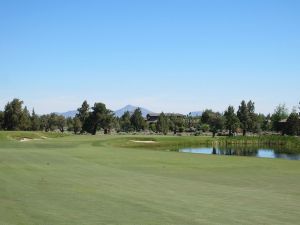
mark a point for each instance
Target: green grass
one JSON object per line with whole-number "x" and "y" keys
{"x": 85, "y": 180}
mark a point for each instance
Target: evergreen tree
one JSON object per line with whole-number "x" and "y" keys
{"x": 48, "y": 122}
{"x": 13, "y": 114}
{"x": 35, "y": 121}
{"x": 83, "y": 115}
{"x": 60, "y": 122}
{"x": 206, "y": 116}
{"x": 152, "y": 127}
{"x": 100, "y": 118}
{"x": 253, "y": 125}
{"x": 176, "y": 123}
{"x": 125, "y": 122}
{"x": 25, "y": 121}
{"x": 216, "y": 123}
{"x": 231, "y": 120}
{"x": 70, "y": 123}
{"x": 280, "y": 113}
{"x": 77, "y": 125}
{"x": 44, "y": 123}
{"x": 83, "y": 111}
{"x": 162, "y": 124}
{"x": 137, "y": 121}
{"x": 1, "y": 120}
{"x": 244, "y": 117}
{"x": 292, "y": 124}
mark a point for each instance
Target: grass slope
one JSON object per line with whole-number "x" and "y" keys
{"x": 88, "y": 180}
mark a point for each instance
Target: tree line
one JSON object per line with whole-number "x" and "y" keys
{"x": 92, "y": 119}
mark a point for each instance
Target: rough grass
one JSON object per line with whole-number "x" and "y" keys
{"x": 18, "y": 135}
{"x": 287, "y": 142}
{"x": 84, "y": 180}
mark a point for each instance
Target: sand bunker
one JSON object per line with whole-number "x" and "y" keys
{"x": 25, "y": 139}
{"x": 29, "y": 139}
{"x": 145, "y": 142}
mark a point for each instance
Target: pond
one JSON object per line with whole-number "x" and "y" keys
{"x": 254, "y": 152}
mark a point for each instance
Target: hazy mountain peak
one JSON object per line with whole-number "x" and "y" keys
{"x": 131, "y": 108}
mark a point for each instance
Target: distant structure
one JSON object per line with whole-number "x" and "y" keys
{"x": 282, "y": 125}
{"x": 153, "y": 117}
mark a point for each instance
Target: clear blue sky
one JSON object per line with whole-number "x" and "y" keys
{"x": 165, "y": 55}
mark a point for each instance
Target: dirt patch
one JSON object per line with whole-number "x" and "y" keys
{"x": 144, "y": 142}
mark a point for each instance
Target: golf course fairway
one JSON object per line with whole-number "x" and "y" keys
{"x": 90, "y": 180}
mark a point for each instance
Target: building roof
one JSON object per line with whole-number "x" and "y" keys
{"x": 153, "y": 114}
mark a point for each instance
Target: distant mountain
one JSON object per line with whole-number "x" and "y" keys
{"x": 131, "y": 108}
{"x": 196, "y": 113}
{"x": 71, "y": 114}
{"x": 118, "y": 113}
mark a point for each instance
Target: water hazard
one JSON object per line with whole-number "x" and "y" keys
{"x": 258, "y": 152}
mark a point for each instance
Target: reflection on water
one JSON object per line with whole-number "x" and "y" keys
{"x": 260, "y": 152}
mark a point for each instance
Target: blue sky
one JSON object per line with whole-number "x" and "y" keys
{"x": 166, "y": 55}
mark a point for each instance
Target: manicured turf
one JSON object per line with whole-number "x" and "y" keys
{"x": 84, "y": 180}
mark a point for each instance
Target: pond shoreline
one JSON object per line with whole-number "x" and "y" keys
{"x": 249, "y": 152}
{"x": 284, "y": 144}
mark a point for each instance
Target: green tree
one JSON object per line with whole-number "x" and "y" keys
{"x": 83, "y": 115}
{"x": 70, "y": 123}
{"x": 176, "y": 123}
{"x": 280, "y": 113}
{"x": 25, "y": 121}
{"x": 35, "y": 121}
{"x": 77, "y": 125}
{"x": 190, "y": 122}
{"x": 125, "y": 123}
{"x": 292, "y": 124}
{"x": 48, "y": 122}
{"x": 100, "y": 117}
{"x": 260, "y": 121}
{"x": 60, "y": 123}
{"x": 137, "y": 121}
{"x": 152, "y": 127}
{"x": 13, "y": 113}
{"x": 266, "y": 123}
{"x": 244, "y": 117}
{"x": 206, "y": 116}
{"x": 1, "y": 120}
{"x": 253, "y": 125}
{"x": 44, "y": 123}
{"x": 216, "y": 123}
{"x": 110, "y": 122}
{"x": 52, "y": 122}
{"x": 162, "y": 124}
{"x": 205, "y": 127}
{"x": 231, "y": 120}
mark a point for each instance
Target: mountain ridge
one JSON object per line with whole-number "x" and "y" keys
{"x": 121, "y": 111}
